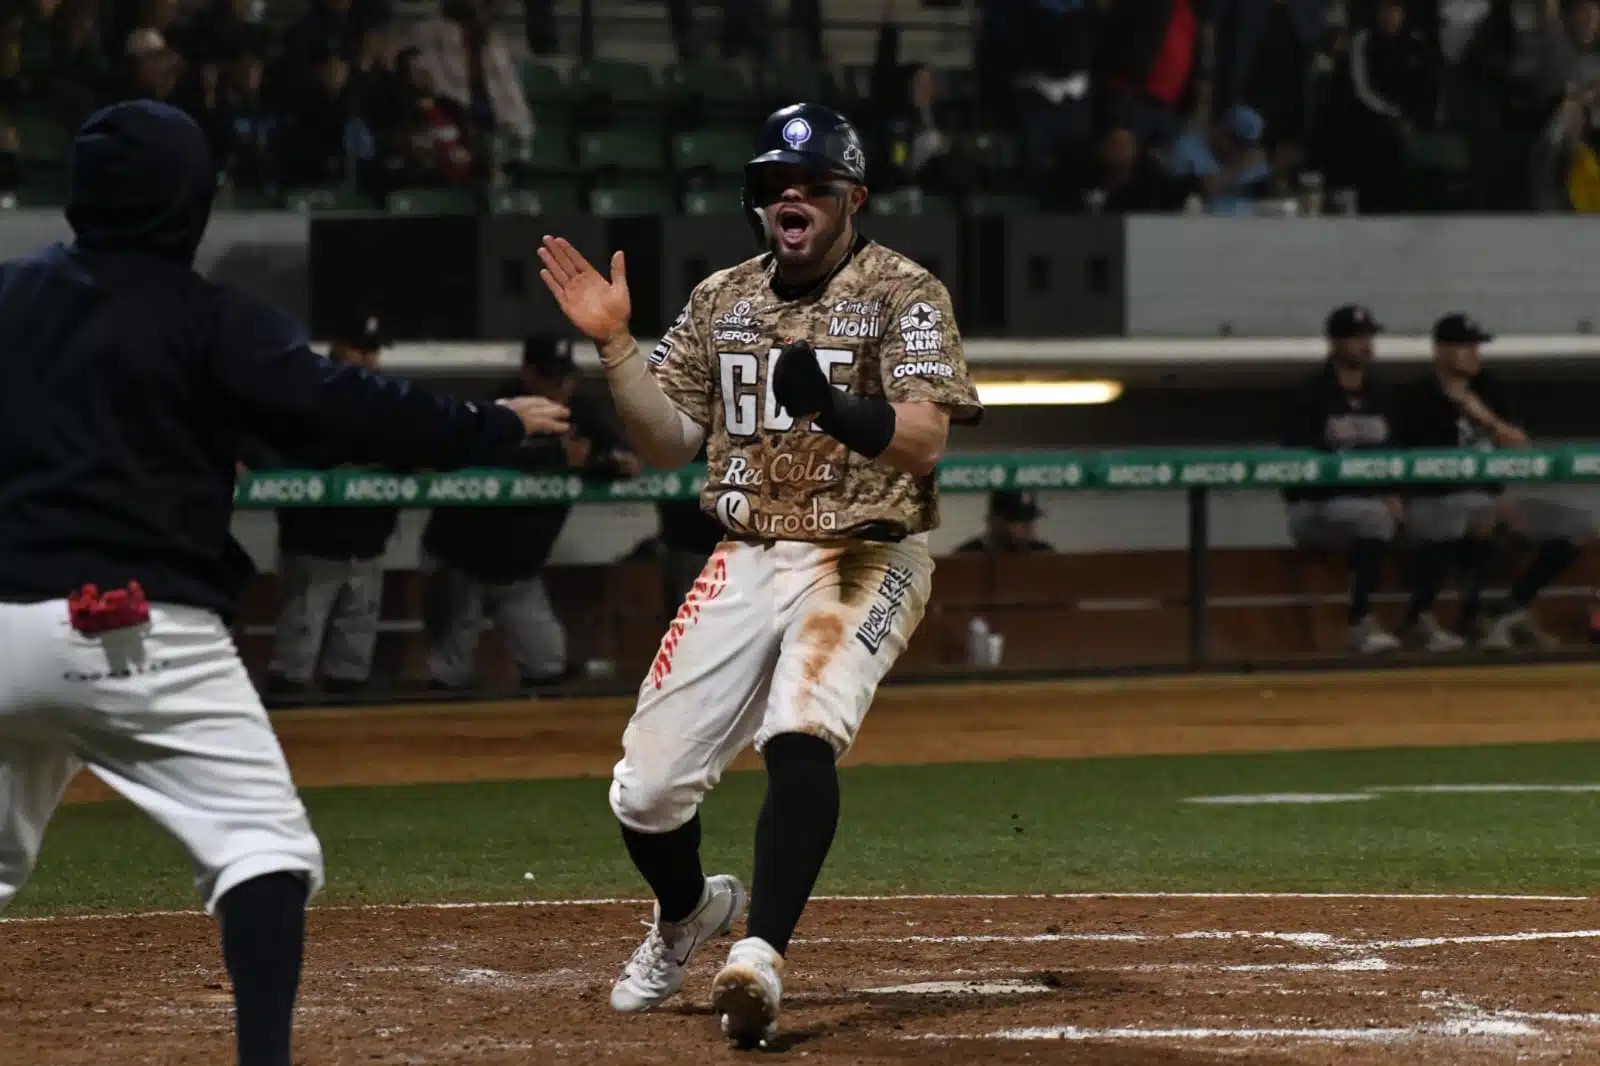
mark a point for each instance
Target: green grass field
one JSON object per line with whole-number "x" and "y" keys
{"x": 1090, "y": 825}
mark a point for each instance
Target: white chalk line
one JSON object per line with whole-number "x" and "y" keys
{"x": 1388, "y": 1034}
{"x": 1371, "y": 792}
{"x": 954, "y": 897}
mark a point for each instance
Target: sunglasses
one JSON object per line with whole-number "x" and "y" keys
{"x": 769, "y": 188}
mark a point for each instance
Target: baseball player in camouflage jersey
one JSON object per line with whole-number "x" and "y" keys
{"x": 822, "y": 376}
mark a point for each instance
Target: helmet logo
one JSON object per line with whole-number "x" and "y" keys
{"x": 796, "y": 131}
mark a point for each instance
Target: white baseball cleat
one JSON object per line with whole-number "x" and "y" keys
{"x": 1367, "y": 637}
{"x": 655, "y": 972}
{"x": 747, "y": 992}
{"x": 1430, "y": 636}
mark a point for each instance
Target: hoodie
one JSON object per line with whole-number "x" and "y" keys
{"x": 129, "y": 379}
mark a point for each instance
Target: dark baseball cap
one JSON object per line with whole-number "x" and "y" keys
{"x": 549, "y": 355}
{"x": 363, "y": 332}
{"x": 1014, "y": 506}
{"x": 1352, "y": 320}
{"x": 1459, "y": 328}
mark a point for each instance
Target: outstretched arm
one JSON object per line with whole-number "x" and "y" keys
{"x": 286, "y": 394}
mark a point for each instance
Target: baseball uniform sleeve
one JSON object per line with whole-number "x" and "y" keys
{"x": 922, "y": 358}
{"x": 682, "y": 363}
{"x": 281, "y": 391}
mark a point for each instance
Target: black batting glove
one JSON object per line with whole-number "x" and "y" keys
{"x": 798, "y": 382}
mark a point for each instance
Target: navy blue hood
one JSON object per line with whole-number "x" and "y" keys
{"x": 142, "y": 180}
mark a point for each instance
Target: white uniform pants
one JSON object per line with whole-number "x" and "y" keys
{"x": 165, "y": 714}
{"x": 777, "y": 638}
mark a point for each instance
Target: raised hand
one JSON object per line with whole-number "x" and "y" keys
{"x": 538, "y": 414}
{"x": 597, "y": 307}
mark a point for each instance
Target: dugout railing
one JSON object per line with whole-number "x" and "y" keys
{"x": 1174, "y": 602}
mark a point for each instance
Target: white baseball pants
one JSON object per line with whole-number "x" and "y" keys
{"x": 165, "y": 714}
{"x": 776, "y": 638}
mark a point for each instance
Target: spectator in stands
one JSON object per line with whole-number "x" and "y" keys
{"x": 1566, "y": 159}
{"x": 1570, "y": 38}
{"x": 1395, "y": 79}
{"x": 1013, "y": 526}
{"x": 1150, "y": 52}
{"x": 41, "y": 26}
{"x": 468, "y": 64}
{"x": 1228, "y": 161}
{"x": 324, "y": 140}
{"x": 487, "y": 560}
{"x": 432, "y": 141}
{"x": 224, "y": 30}
{"x": 1123, "y": 179}
{"x": 10, "y": 160}
{"x": 335, "y": 26}
{"x": 330, "y": 565}
{"x": 78, "y": 62}
{"x": 13, "y": 87}
{"x": 1269, "y": 70}
{"x": 1458, "y": 404}
{"x": 1340, "y": 408}
{"x": 244, "y": 149}
{"x": 921, "y": 151}
{"x": 1045, "y": 55}
{"x": 374, "y": 81}
{"x": 152, "y": 69}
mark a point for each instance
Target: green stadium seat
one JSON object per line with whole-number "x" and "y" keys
{"x": 1000, "y": 203}
{"x": 431, "y": 202}
{"x": 713, "y": 151}
{"x": 707, "y": 90}
{"x": 247, "y": 200}
{"x": 631, "y": 200}
{"x": 909, "y": 201}
{"x": 780, "y": 86}
{"x": 637, "y": 150}
{"x": 42, "y": 140}
{"x": 309, "y": 200}
{"x": 48, "y": 190}
{"x": 995, "y": 152}
{"x": 543, "y": 84}
{"x": 719, "y": 200}
{"x": 855, "y": 85}
{"x": 550, "y": 150}
{"x": 515, "y": 202}
{"x": 546, "y": 197}
{"x": 506, "y": 147}
{"x": 1441, "y": 152}
{"x": 628, "y": 86}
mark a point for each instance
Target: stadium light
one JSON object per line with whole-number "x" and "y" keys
{"x": 1047, "y": 393}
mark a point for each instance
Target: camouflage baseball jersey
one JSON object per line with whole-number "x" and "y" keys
{"x": 881, "y": 326}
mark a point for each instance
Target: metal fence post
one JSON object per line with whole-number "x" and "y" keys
{"x": 1199, "y": 590}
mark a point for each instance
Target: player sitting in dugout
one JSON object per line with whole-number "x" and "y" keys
{"x": 1458, "y": 404}
{"x": 487, "y": 561}
{"x": 1343, "y": 407}
{"x": 1012, "y": 526}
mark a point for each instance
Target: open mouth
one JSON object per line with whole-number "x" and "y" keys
{"x": 793, "y": 225}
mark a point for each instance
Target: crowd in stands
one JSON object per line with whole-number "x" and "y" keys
{"x": 1229, "y": 106}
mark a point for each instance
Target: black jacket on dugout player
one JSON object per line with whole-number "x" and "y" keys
{"x": 127, "y": 381}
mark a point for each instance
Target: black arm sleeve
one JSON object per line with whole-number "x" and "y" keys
{"x": 286, "y": 394}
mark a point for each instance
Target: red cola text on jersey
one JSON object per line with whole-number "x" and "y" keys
{"x": 882, "y": 326}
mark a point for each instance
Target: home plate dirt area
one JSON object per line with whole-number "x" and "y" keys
{"x": 1128, "y": 980}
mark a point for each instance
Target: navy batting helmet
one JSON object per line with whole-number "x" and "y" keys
{"x": 807, "y": 135}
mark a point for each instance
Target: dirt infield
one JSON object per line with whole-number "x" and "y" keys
{"x": 975, "y": 723}
{"x": 1145, "y": 981}
{"x": 1133, "y": 981}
